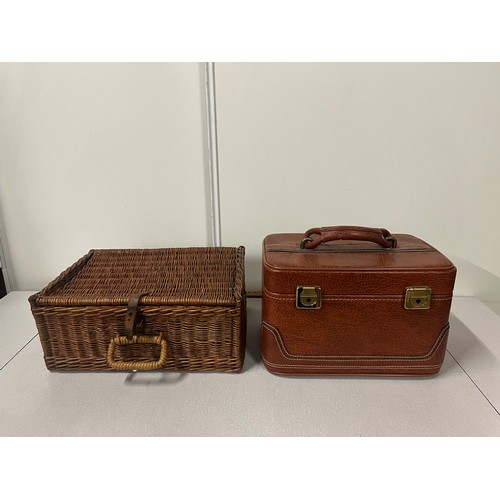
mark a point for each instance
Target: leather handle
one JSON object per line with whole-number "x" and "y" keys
{"x": 379, "y": 236}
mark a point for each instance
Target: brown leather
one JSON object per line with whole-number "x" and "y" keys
{"x": 380, "y": 236}
{"x": 131, "y": 315}
{"x": 362, "y": 327}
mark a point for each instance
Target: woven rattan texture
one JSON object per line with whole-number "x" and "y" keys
{"x": 77, "y": 338}
{"x": 176, "y": 276}
{"x": 207, "y": 334}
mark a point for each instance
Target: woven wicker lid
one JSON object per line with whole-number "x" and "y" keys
{"x": 169, "y": 276}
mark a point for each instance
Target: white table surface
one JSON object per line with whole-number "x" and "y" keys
{"x": 462, "y": 400}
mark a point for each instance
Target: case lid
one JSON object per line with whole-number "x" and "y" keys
{"x": 169, "y": 276}
{"x": 354, "y": 267}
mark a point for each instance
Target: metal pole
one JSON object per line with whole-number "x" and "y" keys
{"x": 4, "y": 270}
{"x": 213, "y": 153}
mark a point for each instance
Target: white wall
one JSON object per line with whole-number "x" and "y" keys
{"x": 414, "y": 148}
{"x": 115, "y": 155}
{"x": 99, "y": 156}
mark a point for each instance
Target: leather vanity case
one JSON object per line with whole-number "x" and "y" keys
{"x": 349, "y": 300}
{"x": 168, "y": 309}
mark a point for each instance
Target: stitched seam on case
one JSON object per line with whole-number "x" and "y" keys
{"x": 323, "y": 298}
{"x": 331, "y": 300}
{"x": 394, "y": 270}
{"x": 349, "y": 250}
{"x": 292, "y": 357}
{"x": 359, "y": 367}
{"x": 355, "y": 243}
{"x": 348, "y": 244}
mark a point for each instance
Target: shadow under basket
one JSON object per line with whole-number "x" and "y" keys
{"x": 151, "y": 309}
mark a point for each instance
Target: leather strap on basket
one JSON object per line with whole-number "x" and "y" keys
{"x": 131, "y": 315}
{"x": 131, "y": 338}
{"x": 380, "y": 236}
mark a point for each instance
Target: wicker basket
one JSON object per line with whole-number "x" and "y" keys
{"x": 169, "y": 309}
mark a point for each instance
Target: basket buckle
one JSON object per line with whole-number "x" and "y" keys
{"x": 131, "y": 315}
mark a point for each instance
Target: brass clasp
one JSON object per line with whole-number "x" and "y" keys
{"x": 308, "y": 297}
{"x": 418, "y": 297}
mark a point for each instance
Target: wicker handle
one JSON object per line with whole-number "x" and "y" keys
{"x": 137, "y": 365}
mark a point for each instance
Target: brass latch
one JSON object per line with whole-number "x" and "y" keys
{"x": 418, "y": 297}
{"x": 308, "y": 297}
